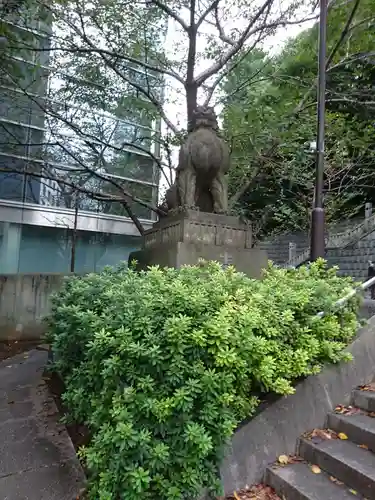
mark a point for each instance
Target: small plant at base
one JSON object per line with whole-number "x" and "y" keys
{"x": 162, "y": 365}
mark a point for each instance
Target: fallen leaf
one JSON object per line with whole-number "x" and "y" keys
{"x": 283, "y": 459}
{"x": 340, "y": 409}
{"x": 342, "y": 436}
{"x": 255, "y": 492}
{"x": 336, "y": 481}
{"x": 367, "y": 387}
{"x": 321, "y": 433}
{"x": 364, "y": 446}
{"x": 353, "y": 491}
{"x": 315, "y": 469}
{"x": 294, "y": 459}
{"x": 347, "y": 410}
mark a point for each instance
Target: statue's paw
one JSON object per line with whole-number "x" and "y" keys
{"x": 189, "y": 207}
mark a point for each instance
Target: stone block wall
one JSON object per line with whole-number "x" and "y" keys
{"x": 353, "y": 260}
{"x": 24, "y": 302}
{"x": 277, "y": 247}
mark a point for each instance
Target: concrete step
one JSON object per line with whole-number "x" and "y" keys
{"x": 359, "y": 427}
{"x": 364, "y": 399}
{"x": 343, "y": 460}
{"x": 298, "y": 482}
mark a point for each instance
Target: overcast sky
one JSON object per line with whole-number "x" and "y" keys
{"x": 176, "y": 104}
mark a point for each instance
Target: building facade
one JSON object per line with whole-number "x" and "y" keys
{"x": 58, "y": 157}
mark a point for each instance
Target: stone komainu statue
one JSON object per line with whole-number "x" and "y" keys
{"x": 203, "y": 162}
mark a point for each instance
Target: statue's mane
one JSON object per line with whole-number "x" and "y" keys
{"x": 203, "y": 117}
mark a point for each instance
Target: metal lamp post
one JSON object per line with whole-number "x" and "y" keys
{"x": 317, "y": 248}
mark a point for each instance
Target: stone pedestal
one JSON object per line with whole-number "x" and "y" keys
{"x": 188, "y": 236}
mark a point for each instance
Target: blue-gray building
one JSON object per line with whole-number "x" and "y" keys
{"x": 41, "y": 218}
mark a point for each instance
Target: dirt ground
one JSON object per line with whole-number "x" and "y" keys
{"x": 79, "y": 434}
{"x": 12, "y": 347}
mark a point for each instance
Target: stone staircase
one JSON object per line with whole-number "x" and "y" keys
{"x": 333, "y": 464}
{"x": 338, "y": 240}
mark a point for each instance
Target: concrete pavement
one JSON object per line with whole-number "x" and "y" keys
{"x": 37, "y": 458}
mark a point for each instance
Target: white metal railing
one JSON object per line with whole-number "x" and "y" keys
{"x": 339, "y": 303}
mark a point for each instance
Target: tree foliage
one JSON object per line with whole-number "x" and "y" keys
{"x": 111, "y": 57}
{"x": 162, "y": 365}
{"x": 272, "y": 120}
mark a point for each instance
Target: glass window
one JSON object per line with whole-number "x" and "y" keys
{"x": 18, "y": 107}
{"x": 20, "y": 140}
{"x": 24, "y": 44}
{"x": 13, "y": 138}
{"x": 133, "y": 166}
{"x": 90, "y": 156}
{"x": 32, "y": 189}
{"x": 120, "y": 188}
{"x": 12, "y": 182}
{"x": 30, "y": 77}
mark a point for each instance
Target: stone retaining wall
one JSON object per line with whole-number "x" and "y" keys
{"x": 275, "y": 430}
{"x": 24, "y": 301}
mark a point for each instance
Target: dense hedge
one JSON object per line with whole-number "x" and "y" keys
{"x": 163, "y": 365}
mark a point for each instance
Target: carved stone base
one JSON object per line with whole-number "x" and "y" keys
{"x": 186, "y": 237}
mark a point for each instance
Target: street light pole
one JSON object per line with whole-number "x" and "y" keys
{"x": 317, "y": 248}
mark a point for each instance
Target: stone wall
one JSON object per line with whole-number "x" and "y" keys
{"x": 277, "y": 247}
{"x": 275, "y": 430}
{"x": 352, "y": 260}
{"x": 24, "y": 302}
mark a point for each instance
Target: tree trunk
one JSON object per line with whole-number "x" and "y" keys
{"x": 74, "y": 237}
{"x": 191, "y": 101}
{"x": 190, "y": 84}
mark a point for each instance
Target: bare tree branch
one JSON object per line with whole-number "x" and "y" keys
{"x": 112, "y": 64}
{"x": 93, "y": 172}
{"x": 234, "y": 48}
{"x": 210, "y": 91}
{"x": 209, "y": 9}
{"x": 344, "y": 32}
{"x": 114, "y": 54}
{"x": 220, "y": 29}
{"x": 170, "y": 13}
{"x": 351, "y": 59}
{"x": 247, "y": 33}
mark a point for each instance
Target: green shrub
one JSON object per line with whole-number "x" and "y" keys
{"x": 163, "y": 365}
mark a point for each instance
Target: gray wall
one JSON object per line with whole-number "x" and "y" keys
{"x": 352, "y": 260}
{"x": 24, "y": 301}
{"x": 275, "y": 430}
{"x": 277, "y": 247}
